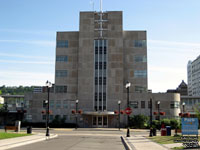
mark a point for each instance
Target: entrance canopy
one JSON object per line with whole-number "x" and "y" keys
{"x": 99, "y": 113}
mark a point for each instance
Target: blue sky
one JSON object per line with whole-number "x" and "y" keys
{"x": 28, "y": 34}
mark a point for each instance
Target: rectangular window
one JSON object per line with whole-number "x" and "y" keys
{"x": 100, "y": 80}
{"x": 61, "y": 73}
{"x": 58, "y": 104}
{"x": 142, "y": 104}
{"x": 140, "y": 43}
{"x": 100, "y": 65}
{"x": 140, "y": 89}
{"x": 50, "y": 117}
{"x": 149, "y": 104}
{"x": 104, "y": 65}
{"x": 96, "y": 65}
{"x": 174, "y": 104}
{"x": 65, "y": 104}
{"x": 60, "y": 58}
{"x": 44, "y": 104}
{"x": 104, "y": 80}
{"x": 140, "y": 73}
{"x": 43, "y": 117}
{"x": 134, "y": 104}
{"x": 51, "y": 104}
{"x": 96, "y": 80}
{"x": 62, "y": 43}
{"x": 140, "y": 58}
{"x": 61, "y": 89}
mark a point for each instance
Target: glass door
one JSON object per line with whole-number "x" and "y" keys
{"x": 100, "y": 123}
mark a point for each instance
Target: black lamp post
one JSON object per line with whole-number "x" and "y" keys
{"x": 49, "y": 85}
{"x": 6, "y": 114}
{"x": 158, "y": 103}
{"x": 119, "y": 102}
{"x": 151, "y": 131}
{"x": 76, "y": 113}
{"x": 128, "y": 84}
{"x": 183, "y": 104}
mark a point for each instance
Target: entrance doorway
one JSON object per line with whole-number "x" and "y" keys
{"x": 100, "y": 121}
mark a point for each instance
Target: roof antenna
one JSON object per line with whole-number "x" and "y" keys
{"x": 92, "y": 3}
{"x": 101, "y": 6}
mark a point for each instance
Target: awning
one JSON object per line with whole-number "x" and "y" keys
{"x": 100, "y": 113}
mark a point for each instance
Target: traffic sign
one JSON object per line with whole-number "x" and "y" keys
{"x": 128, "y": 110}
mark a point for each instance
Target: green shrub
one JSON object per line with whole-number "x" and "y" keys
{"x": 166, "y": 122}
{"x": 139, "y": 121}
{"x": 174, "y": 123}
{"x": 156, "y": 124}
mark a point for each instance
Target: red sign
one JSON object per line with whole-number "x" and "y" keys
{"x": 128, "y": 111}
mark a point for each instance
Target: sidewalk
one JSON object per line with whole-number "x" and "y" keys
{"x": 20, "y": 141}
{"x": 139, "y": 142}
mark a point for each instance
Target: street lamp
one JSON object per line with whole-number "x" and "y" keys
{"x": 158, "y": 103}
{"x": 49, "y": 85}
{"x": 183, "y": 104}
{"x": 6, "y": 114}
{"x": 128, "y": 84}
{"x": 76, "y": 111}
{"x": 119, "y": 102}
{"x": 151, "y": 131}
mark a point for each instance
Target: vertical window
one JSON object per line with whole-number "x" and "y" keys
{"x": 174, "y": 104}
{"x": 43, "y": 117}
{"x": 142, "y": 104}
{"x": 65, "y": 104}
{"x": 51, "y": 103}
{"x": 100, "y": 48}
{"x": 149, "y": 104}
{"x": 58, "y": 104}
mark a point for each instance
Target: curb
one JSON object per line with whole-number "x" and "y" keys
{"x": 17, "y": 144}
{"x": 125, "y": 143}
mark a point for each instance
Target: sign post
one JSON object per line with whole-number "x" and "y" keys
{"x": 128, "y": 110}
{"x": 189, "y": 132}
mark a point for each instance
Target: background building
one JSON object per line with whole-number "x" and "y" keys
{"x": 193, "y": 73}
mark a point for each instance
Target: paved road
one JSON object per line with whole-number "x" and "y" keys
{"x": 79, "y": 140}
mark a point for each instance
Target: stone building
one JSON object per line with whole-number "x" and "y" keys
{"x": 93, "y": 66}
{"x": 193, "y": 75}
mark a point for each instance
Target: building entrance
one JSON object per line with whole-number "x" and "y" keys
{"x": 100, "y": 121}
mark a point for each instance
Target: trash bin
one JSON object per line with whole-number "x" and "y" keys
{"x": 154, "y": 131}
{"x": 168, "y": 128}
{"x": 29, "y": 130}
{"x": 163, "y": 132}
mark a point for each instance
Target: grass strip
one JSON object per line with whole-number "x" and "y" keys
{"x": 164, "y": 139}
{"x": 4, "y": 135}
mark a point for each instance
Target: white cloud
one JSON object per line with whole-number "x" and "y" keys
{"x": 28, "y": 62}
{"x": 34, "y": 32}
{"x": 35, "y": 42}
{"x": 24, "y": 56}
{"x": 174, "y": 43}
{"x": 16, "y": 78}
